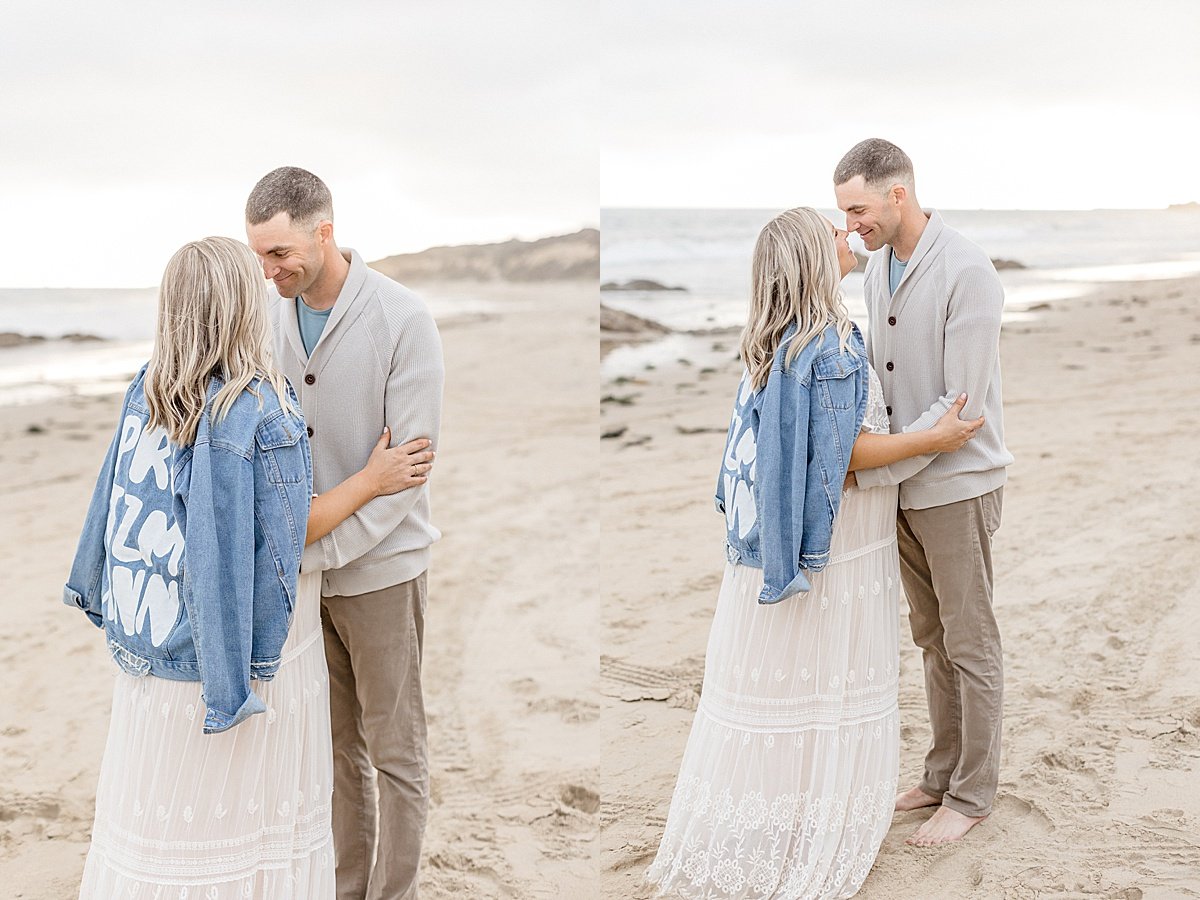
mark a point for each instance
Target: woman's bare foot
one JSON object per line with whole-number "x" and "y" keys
{"x": 914, "y": 798}
{"x": 943, "y": 826}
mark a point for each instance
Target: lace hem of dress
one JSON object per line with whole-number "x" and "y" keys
{"x": 776, "y": 827}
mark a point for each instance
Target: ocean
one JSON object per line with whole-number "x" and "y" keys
{"x": 124, "y": 320}
{"x": 707, "y": 251}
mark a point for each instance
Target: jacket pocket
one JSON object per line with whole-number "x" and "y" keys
{"x": 835, "y": 388}
{"x": 275, "y": 438}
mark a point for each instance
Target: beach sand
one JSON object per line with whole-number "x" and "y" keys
{"x": 510, "y": 671}
{"x": 1098, "y": 567}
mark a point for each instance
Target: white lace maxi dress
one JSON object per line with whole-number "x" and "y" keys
{"x": 787, "y": 784}
{"x": 182, "y": 815}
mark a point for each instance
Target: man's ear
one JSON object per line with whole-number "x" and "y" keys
{"x": 897, "y": 194}
{"x": 325, "y": 231}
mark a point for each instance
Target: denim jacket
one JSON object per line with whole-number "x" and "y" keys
{"x": 189, "y": 556}
{"x": 786, "y": 457}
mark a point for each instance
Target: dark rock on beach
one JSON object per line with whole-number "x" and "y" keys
{"x": 639, "y": 284}
{"x": 15, "y": 339}
{"x": 619, "y": 321}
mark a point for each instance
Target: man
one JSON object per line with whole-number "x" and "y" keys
{"x": 935, "y": 302}
{"x": 363, "y": 353}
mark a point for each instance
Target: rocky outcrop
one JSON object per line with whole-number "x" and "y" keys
{"x": 563, "y": 257}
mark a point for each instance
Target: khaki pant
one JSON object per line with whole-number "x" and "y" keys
{"x": 380, "y": 762}
{"x": 946, "y": 568}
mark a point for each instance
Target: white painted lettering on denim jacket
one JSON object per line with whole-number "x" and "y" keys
{"x": 139, "y": 597}
{"x": 740, "y": 511}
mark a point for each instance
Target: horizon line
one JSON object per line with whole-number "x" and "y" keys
{"x": 1167, "y": 208}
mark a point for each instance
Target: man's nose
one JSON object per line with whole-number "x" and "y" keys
{"x": 270, "y": 270}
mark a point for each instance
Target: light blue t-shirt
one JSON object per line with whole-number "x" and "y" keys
{"x": 312, "y": 323}
{"x": 895, "y": 271}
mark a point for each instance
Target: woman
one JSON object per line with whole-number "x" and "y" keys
{"x": 787, "y": 782}
{"x": 189, "y": 560}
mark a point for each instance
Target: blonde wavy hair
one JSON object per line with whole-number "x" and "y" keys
{"x": 795, "y": 279}
{"x": 212, "y": 321}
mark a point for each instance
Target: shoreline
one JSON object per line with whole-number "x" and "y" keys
{"x": 1101, "y": 764}
{"x": 41, "y": 369}
{"x": 717, "y": 309}
{"x": 657, "y": 343}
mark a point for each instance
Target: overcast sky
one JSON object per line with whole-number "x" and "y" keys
{"x": 1034, "y": 104}
{"x": 131, "y": 127}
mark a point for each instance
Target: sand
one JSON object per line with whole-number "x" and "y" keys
{"x": 1097, "y": 561}
{"x": 1097, "y": 564}
{"x": 510, "y": 669}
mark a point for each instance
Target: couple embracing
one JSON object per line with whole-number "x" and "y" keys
{"x": 256, "y": 552}
{"x": 850, "y": 474}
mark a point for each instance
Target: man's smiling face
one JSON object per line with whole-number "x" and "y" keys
{"x": 290, "y": 254}
{"x": 874, "y": 214}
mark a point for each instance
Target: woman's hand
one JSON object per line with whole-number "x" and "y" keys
{"x": 395, "y": 469}
{"x": 951, "y": 432}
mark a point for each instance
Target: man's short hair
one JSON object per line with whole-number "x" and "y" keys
{"x": 881, "y": 164}
{"x": 297, "y": 192}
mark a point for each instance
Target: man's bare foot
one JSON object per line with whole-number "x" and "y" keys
{"x": 943, "y": 826}
{"x": 914, "y": 798}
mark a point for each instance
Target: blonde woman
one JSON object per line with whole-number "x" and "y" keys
{"x": 217, "y": 773}
{"x": 787, "y": 782}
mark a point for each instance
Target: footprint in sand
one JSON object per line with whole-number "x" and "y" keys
{"x": 579, "y": 797}
{"x": 523, "y": 686}
{"x": 1013, "y": 812}
{"x": 569, "y": 709}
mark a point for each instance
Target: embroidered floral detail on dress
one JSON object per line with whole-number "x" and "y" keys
{"x": 754, "y": 858}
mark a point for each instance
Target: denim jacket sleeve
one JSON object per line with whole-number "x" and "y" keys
{"x": 219, "y": 560}
{"x": 84, "y": 583}
{"x": 782, "y": 465}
